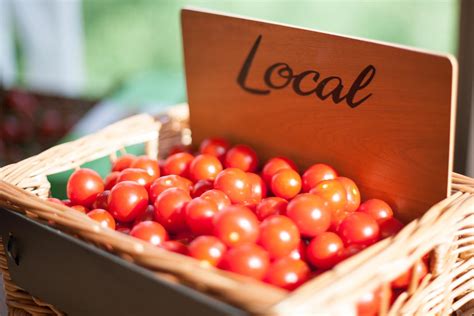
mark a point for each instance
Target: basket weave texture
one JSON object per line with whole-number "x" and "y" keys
{"x": 446, "y": 230}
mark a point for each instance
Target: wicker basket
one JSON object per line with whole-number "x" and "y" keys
{"x": 447, "y": 229}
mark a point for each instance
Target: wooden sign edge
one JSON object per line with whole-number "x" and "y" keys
{"x": 447, "y": 56}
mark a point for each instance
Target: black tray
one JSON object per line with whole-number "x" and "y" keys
{"x": 81, "y": 279}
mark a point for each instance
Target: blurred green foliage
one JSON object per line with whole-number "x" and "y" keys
{"x": 126, "y": 37}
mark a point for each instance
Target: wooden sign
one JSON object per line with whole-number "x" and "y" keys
{"x": 380, "y": 114}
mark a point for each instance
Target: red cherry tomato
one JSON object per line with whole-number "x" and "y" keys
{"x": 279, "y": 236}
{"x": 236, "y": 225}
{"x": 123, "y": 162}
{"x": 242, "y": 157}
{"x": 286, "y": 183}
{"x": 258, "y": 189}
{"x": 218, "y": 197}
{"x": 80, "y": 208}
{"x": 204, "y": 167}
{"x": 377, "y": 209}
{"x": 148, "y": 215}
{"x": 148, "y": 164}
{"x": 178, "y": 164}
{"x": 300, "y": 252}
{"x": 167, "y": 182}
{"x": 274, "y": 165}
{"x": 359, "y": 228}
{"x": 111, "y": 180}
{"x": 403, "y": 281}
{"x": 127, "y": 200}
{"x": 317, "y": 173}
{"x": 66, "y": 202}
{"x": 103, "y": 217}
{"x": 288, "y": 273}
{"x": 102, "y": 200}
{"x": 390, "y": 227}
{"x": 215, "y": 146}
{"x": 169, "y": 209}
{"x": 202, "y": 186}
{"x": 175, "y": 246}
{"x": 352, "y": 194}
{"x": 325, "y": 250}
{"x": 150, "y": 231}
{"x": 369, "y": 303}
{"x": 310, "y": 214}
{"x": 333, "y": 192}
{"x": 248, "y": 259}
{"x": 83, "y": 186}
{"x": 336, "y": 219}
{"x": 139, "y": 176}
{"x": 271, "y": 206}
{"x": 207, "y": 249}
{"x": 199, "y": 216}
{"x": 235, "y": 184}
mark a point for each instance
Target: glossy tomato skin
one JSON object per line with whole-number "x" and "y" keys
{"x": 199, "y": 216}
{"x": 175, "y": 246}
{"x": 390, "y": 227}
{"x": 274, "y": 165}
{"x": 300, "y": 252}
{"x": 325, "y": 250}
{"x": 288, "y": 273}
{"x": 167, "y": 182}
{"x": 150, "y": 231}
{"x": 242, "y": 157}
{"x": 369, "y": 303}
{"x": 83, "y": 186}
{"x": 279, "y": 236}
{"x": 286, "y": 183}
{"x": 236, "y": 225}
{"x": 170, "y": 209}
{"x": 111, "y": 180}
{"x": 248, "y": 259}
{"x": 215, "y": 146}
{"x": 178, "y": 164}
{"x": 150, "y": 165}
{"x": 204, "y": 167}
{"x": 139, "y": 176}
{"x": 207, "y": 249}
{"x": 333, "y": 192}
{"x": 352, "y": 194}
{"x": 310, "y": 214}
{"x": 317, "y": 173}
{"x": 218, "y": 197}
{"x": 403, "y": 281}
{"x": 235, "y": 184}
{"x": 202, "y": 186}
{"x": 101, "y": 201}
{"x": 104, "y": 218}
{"x": 377, "y": 209}
{"x": 127, "y": 200}
{"x": 123, "y": 162}
{"x": 360, "y": 229}
{"x": 271, "y": 206}
{"x": 258, "y": 189}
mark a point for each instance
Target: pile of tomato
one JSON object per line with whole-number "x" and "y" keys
{"x": 271, "y": 224}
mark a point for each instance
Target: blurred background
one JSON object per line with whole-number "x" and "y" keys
{"x": 90, "y": 62}
{"x": 68, "y": 67}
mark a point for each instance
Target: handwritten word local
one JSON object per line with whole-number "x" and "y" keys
{"x": 331, "y": 86}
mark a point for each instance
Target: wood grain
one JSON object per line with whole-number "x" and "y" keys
{"x": 397, "y": 145}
